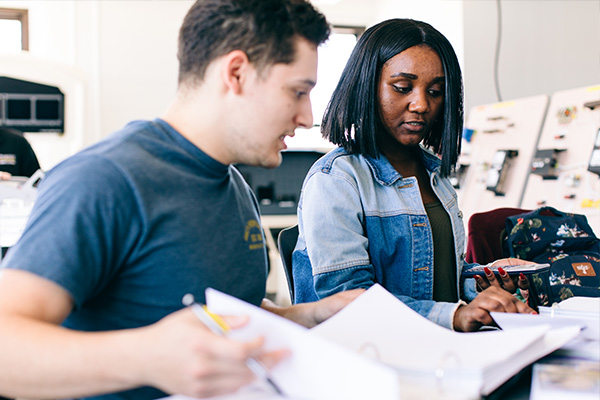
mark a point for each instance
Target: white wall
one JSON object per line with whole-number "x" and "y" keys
{"x": 137, "y": 58}
{"x": 445, "y": 15}
{"x": 114, "y": 60}
{"x": 546, "y": 46}
{"x": 123, "y": 53}
{"x": 52, "y": 60}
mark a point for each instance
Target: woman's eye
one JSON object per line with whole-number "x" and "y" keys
{"x": 402, "y": 89}
{"x": 435, "y": 93}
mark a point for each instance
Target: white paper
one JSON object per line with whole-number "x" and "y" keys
{"x": 317, "y": 369}
{"x": 586, "y": 345}
{"x": 510, "y": 321}
{"x": 589, "y": 323}
{"x": 350, "y": 356}
{"x": 581, "y": 303}
{"x": 402, "y": 334}
{"x": 379, "y": 325}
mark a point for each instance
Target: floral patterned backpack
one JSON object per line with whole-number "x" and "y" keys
{"x": 563, "y": 240}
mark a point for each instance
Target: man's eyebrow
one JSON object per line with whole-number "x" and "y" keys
{"x": 308, "y": 82}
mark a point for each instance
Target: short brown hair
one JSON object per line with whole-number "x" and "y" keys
{"x": 264, "y": 29}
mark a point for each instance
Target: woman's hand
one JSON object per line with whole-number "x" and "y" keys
{"x": 506, "y": 282}
{"x": 471, "y": 317}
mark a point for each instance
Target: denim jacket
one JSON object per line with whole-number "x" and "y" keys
{"x": 362, "y": 223}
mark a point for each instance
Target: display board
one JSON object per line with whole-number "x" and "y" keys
{"x": 560, "y": 176}
{"x": 498, "y": 146}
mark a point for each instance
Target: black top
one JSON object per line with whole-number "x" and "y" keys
{"x": 444, "y": 268}
{"x": 16, "y": 155}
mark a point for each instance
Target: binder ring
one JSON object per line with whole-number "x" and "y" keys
{"x": 370, "y": 349}
{"x": 440, "y": 370}
{"x": 554, "y": 307}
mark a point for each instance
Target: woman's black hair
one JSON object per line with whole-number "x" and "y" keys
{"x": 352, "y": 115}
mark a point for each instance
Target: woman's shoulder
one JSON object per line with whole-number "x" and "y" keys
{"x": 338, "y": 160}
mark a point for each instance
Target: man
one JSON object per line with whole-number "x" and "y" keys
{"x": 90, "y": 297}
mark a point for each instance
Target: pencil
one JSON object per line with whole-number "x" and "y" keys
{"x": 218, "y": 326}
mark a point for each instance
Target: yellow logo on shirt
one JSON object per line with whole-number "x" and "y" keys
{"x": 254, "y": 235}
{"x": 8, "y": 159}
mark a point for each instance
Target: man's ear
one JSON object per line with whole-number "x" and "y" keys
{"x": 235, "y": 70}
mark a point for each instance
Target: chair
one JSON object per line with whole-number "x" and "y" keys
{"x": 286, "y": 241}
{"x": 484, "y": 243}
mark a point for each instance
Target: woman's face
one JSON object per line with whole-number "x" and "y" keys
{"x": 410, "y": 94}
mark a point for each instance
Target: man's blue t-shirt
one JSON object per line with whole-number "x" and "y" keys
{"x": 133, "y": 223}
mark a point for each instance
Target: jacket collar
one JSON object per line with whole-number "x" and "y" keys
{"x": 385, "y": 174}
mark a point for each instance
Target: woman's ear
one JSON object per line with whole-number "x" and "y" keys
{"x": 235, "y": 70}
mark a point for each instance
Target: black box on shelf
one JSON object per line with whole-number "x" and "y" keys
{"x": 278, "y": 189}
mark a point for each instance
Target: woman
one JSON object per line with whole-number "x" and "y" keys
{"x": 380, "y": 207}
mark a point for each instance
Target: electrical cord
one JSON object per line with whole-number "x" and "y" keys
{"x": 497, "y": 55}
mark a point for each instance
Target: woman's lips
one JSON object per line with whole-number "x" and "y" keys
{"x": 414, "y": 126}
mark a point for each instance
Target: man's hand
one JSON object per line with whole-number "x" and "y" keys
{"x": 311, "y": 314}
{"x": 471, "y": 317}
{"x": 186, "y": 358}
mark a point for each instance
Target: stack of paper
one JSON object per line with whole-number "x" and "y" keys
{"x": 584, "y": 310}
{"x": 580, "y": 311}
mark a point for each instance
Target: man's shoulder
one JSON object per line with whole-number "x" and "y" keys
{"x": 131, "y": 134}
{"x": 122, "y": 147}
{"x": 102, "y": 162}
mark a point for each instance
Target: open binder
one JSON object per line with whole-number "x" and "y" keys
{"x": 318, "y": 369}
{"x": 475, "y": 363}
{"x": 377, "y": 347}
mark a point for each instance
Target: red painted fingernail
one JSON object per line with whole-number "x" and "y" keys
{"x": 487, "y": 271}
{"x": 502, "y": 271}
{"x": 522, "y": 277}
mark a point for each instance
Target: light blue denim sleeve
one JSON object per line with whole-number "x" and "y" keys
{"x": 331, "y": 223}
{"x": 468, "y": 285}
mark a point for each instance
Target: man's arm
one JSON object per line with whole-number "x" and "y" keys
{"x": 44, "y": 360}
{"x": 311, "y": 314}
